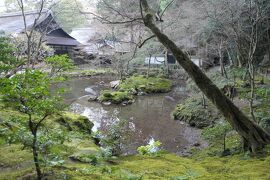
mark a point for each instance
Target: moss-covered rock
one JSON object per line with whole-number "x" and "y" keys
{"x": 115, "y": 97}
{"x": 75, "y": 122}
{"x": 86, "y": 151}
{"x": 135, "y": 85}
{"x": 193, "y": 112}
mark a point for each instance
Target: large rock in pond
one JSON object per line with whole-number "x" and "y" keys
{"x": 114, "y": 84}
{"x": 92, "y": 98}
{"x": 90, "y": 90}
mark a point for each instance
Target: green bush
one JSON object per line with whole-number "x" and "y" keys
{"x": 217, "y": 134}
{"x": 116, "y": 138}
{"x": 220, "y": 81}
{"x": 151, "y": 149}
{"x": 265, "y": 123}
{"x": 59, "y": 63}
{"x": 193, "y": 112}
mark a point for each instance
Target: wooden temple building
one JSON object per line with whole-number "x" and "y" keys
{"x": 54, "y": 35}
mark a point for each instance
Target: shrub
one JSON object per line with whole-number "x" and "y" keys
{"x": 218, "y": 133}
{"x": 152, "y": 148}
{"x": 116, "y": 138}
{"x": 59, "y": 63}
{"x": 193, "y": 112}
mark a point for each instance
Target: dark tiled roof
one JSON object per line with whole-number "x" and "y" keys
{"x": 52, "y": 40}
{"x": 13, "y": 22}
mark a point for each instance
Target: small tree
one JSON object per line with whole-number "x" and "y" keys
{"x": 218, "y": 134}
{"x": 30, "y": 94}
{"x": 59, "y": 64}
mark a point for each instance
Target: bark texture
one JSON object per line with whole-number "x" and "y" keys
{"x": 254, "y": 135}
{"x": 33, "y": 129}
{"x": 35, "y": 156}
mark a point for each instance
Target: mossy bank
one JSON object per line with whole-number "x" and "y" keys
{"x": 164, "y": 166}
{"x": 79, "y": 158}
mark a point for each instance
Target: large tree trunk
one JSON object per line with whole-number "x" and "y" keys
{"x": 255, "y": 136}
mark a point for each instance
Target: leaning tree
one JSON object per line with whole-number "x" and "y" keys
{"x": 255, "y": 138}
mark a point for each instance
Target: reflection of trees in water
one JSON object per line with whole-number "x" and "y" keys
{"x": 108, "y": 118}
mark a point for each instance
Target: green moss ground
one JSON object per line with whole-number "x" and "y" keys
{"x": 14, "y": 161}
{"x": 17, "y": 163}
{"x": 167, "y": 166}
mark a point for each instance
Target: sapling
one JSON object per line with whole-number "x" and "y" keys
{"x": 30, "y": 94}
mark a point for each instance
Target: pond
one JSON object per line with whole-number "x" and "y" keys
{"x": 149, "y": 116}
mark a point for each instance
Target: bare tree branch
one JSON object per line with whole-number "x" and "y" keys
{"x": 107, "y": 21}
{"x": 147, "y": 39}
{"x": 168, "y": 5}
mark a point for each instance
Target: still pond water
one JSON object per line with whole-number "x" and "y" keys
{"x": 149, "y": 116}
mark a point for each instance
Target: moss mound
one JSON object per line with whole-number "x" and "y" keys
{"x": 192, "y": 112}
{"x": 135, "y": 85}
{"x": 147, "y": 85}
{"x": 115, "y": 97}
